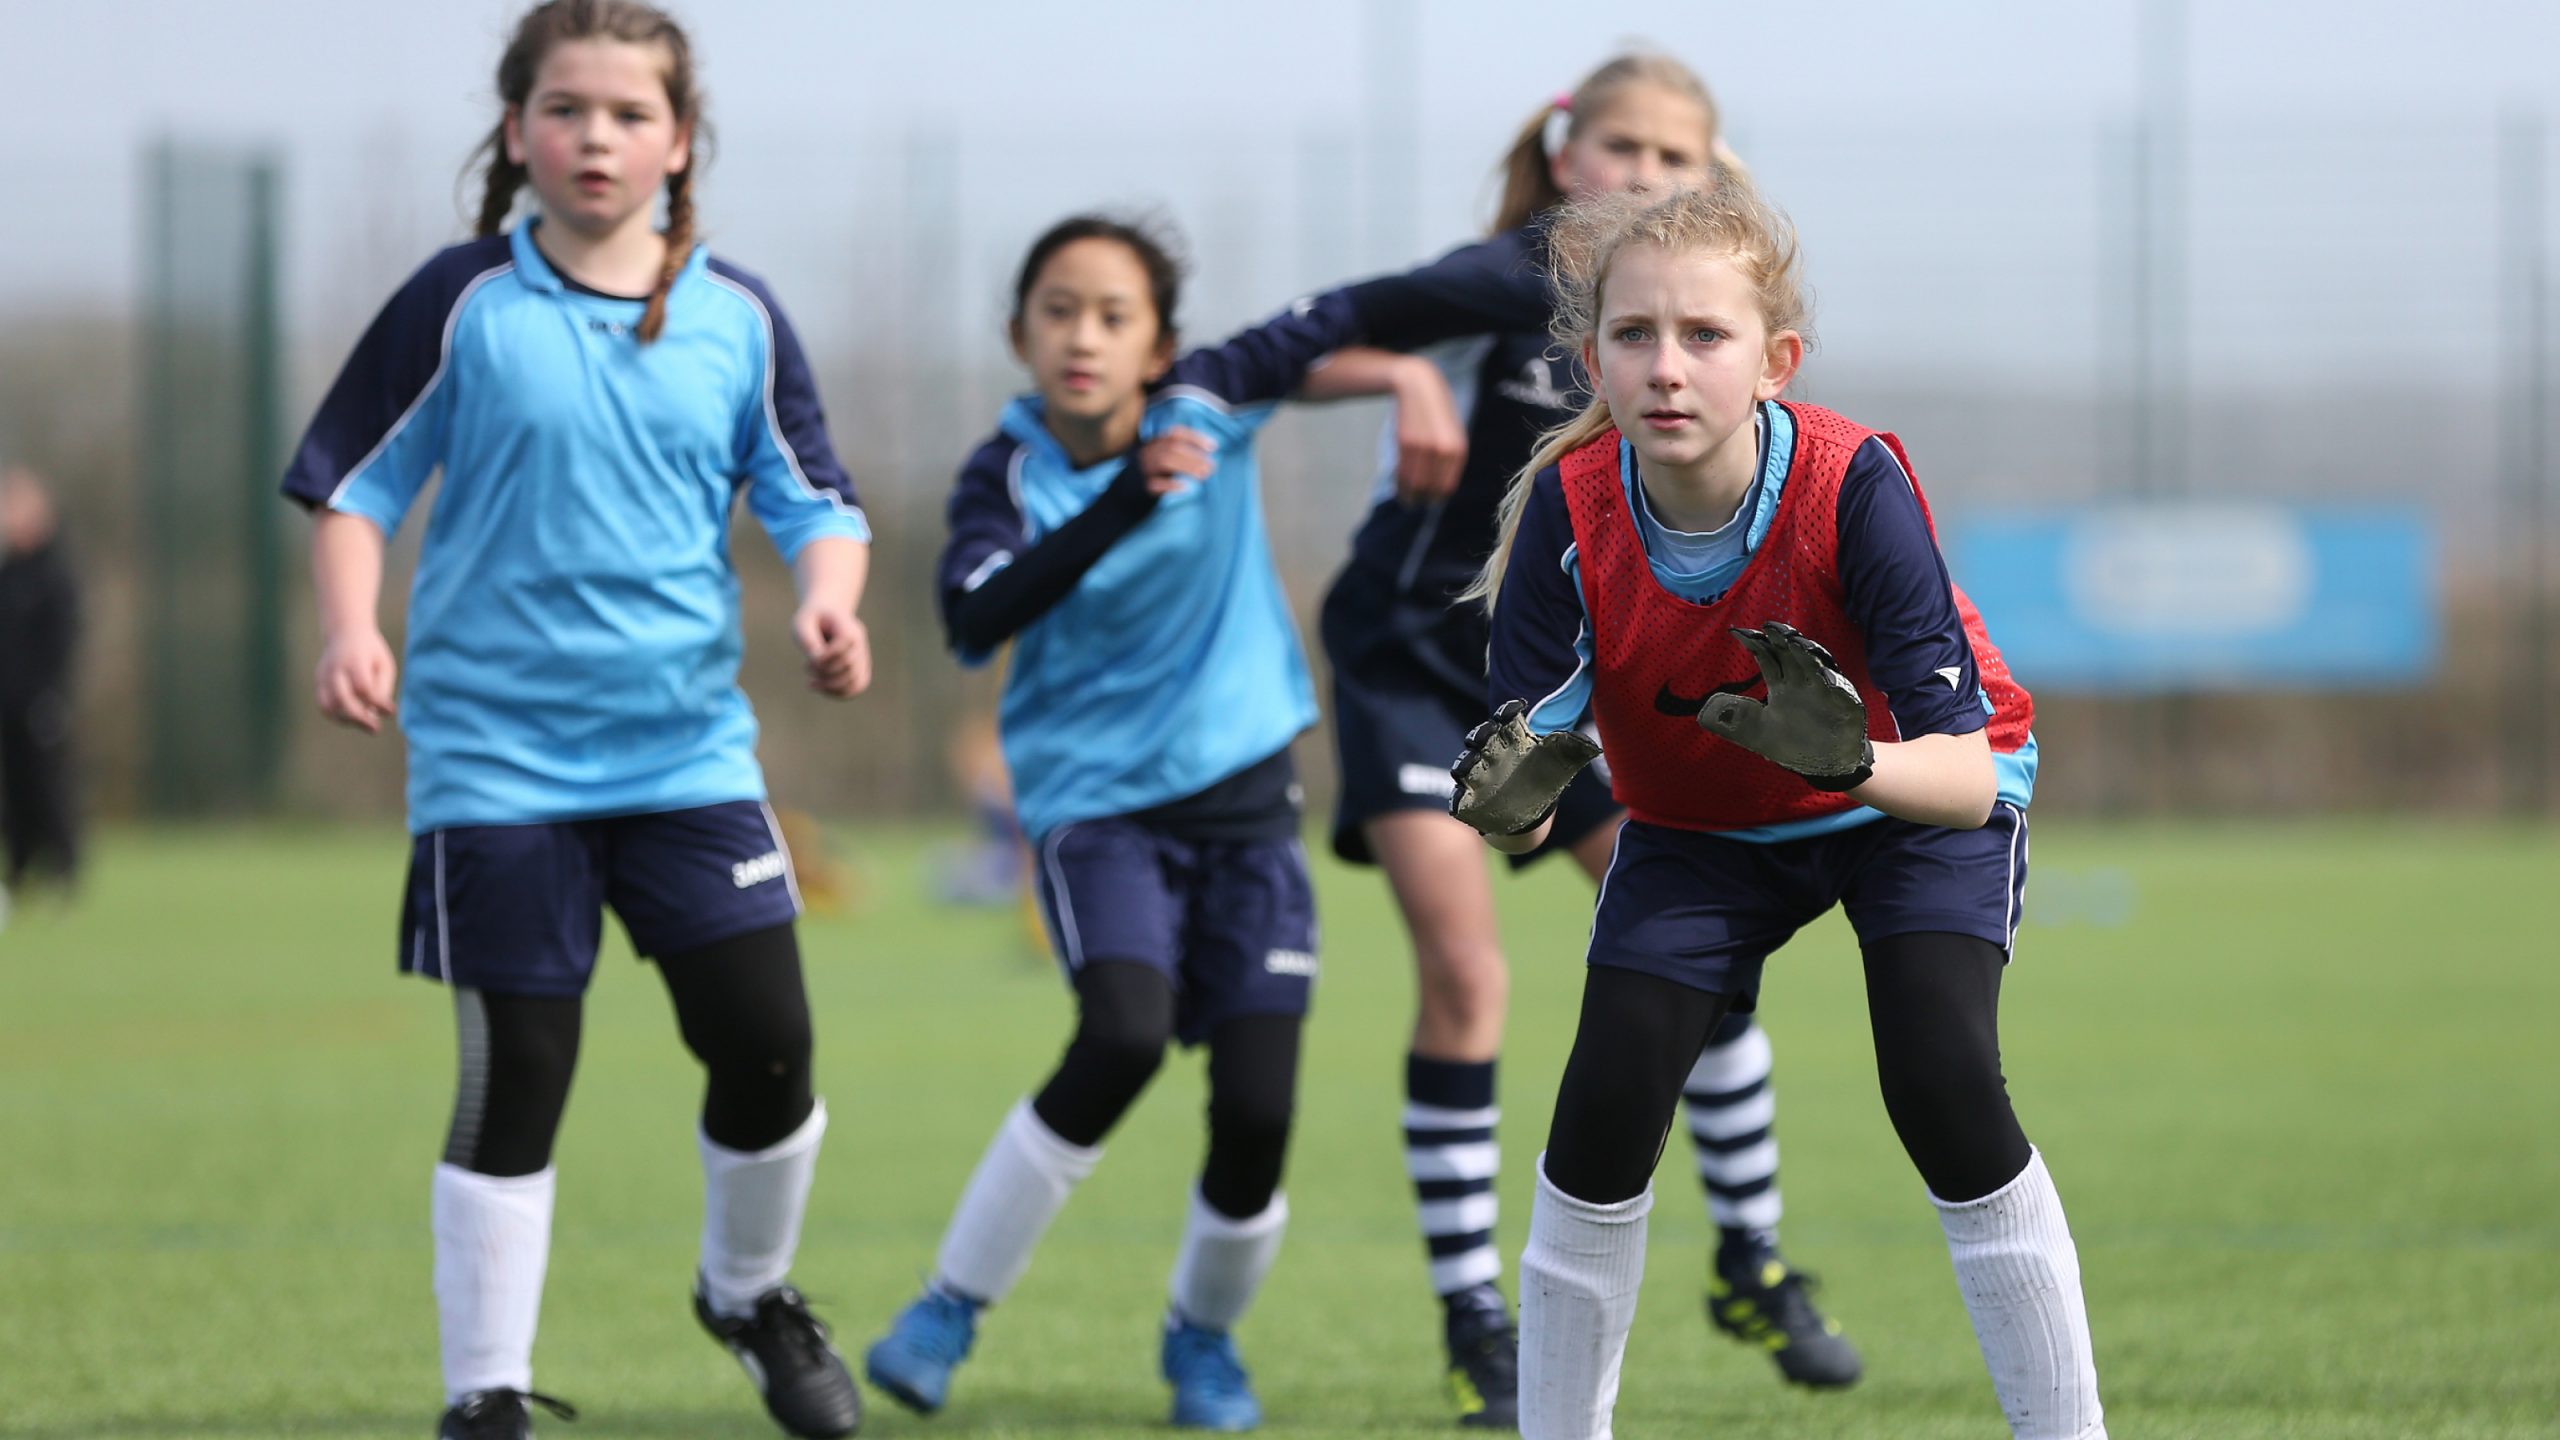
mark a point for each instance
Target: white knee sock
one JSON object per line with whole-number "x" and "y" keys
{"x": 752, "y": 1204}
{"x": 1020, "y": 1185}
{"x": 1578, "y": 1282}
{"x": 493, "y": 1242}
{"x": 1222, "y": 1261}
{"x": 2021, "y": 1282}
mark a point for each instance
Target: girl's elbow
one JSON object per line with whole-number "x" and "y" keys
{"x": 1973, "y": 808}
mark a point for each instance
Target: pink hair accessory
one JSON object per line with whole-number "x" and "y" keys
{"x": 1564, "y": 101}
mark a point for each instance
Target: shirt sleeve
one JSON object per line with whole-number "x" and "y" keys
{"x": 380, "y": 431}
{"x": 796, "y": 487}
{"x": 1263, "y": 365}
{"x": 1899, "y": 596}
{"x": 1497, "y": 286}
{"x": 1541, "y": 649}
{"x": 986, "y": 532}
{"x": 995, "y": 580}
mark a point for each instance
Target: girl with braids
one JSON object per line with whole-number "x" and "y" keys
{"x": 1408, "y": 679}
{"x": 1744, "y": 597}
{"x": 597, "y": 393}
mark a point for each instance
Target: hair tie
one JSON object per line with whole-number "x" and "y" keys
{"x": 1564, "y": 101}
{"x": 1558, "y": 126}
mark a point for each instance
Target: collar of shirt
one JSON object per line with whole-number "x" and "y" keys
{"x": 534, "y": 272}
{"x": 1692, "y": 554}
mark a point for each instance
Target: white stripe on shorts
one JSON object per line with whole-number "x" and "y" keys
{"x": 1062, "y": 915}
{"x": 444, "y": 930}
{"x": 790, "y": 870}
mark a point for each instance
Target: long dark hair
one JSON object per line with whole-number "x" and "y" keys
{"x": 547, "y": 25}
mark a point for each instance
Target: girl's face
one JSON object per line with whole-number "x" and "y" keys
{"x": 1646, "y": 136}
{"x": 1684, "y": 355}
{"x": 597, "y": 136}
{"x": 1089, "y": 331}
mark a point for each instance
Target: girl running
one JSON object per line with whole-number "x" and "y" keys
{"x": 1746, "y": 596}
{"x": 1408, "y": 676}
{"x": 597, "y": 393}
{"x": 1155, "y": 684}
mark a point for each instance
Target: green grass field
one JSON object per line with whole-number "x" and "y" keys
{"x": 2300, "y": 1088}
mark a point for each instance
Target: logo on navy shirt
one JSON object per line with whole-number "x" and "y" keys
{"x": 1290, "y": 962}
{"x": 768, "y": 866}
{"x": 1672, "y": 702}
{"x": 1536, "y": 385}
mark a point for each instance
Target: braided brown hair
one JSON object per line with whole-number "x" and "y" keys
{"x": 632, "y": 22}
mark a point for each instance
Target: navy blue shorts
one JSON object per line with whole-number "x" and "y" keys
{"x": 1398, "y": 727}
{"x": 1706, "y": 911}
{"x": 1232, "y": 924}
{"x": 519, "y": 909}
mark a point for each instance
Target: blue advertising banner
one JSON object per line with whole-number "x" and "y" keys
{"x": 2205, "y": 596}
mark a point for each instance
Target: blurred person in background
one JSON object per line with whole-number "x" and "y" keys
{"x": 39, "y": 635}
{"x": 1111, "y": 533}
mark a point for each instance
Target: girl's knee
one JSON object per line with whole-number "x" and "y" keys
{"x": 1464, "y": 984}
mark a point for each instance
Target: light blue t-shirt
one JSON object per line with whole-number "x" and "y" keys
{"x": 1174, "y": 662}
{"x": 573, "y": 632}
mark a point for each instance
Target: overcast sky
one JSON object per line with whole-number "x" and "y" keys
{"x": 1211, "y": 107}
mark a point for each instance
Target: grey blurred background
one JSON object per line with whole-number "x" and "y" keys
{"x": 2135, "y": 250}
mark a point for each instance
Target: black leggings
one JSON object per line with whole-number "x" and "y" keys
{"x": 1933, "y": 1001}
{"x": 1124, "y": 1018}
{"x": 739, "y": 1005}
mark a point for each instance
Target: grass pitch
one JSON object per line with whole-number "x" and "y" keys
{"x": 2300, "y": 1088}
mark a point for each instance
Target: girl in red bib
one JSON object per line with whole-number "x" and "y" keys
{"x": 1745, "y": 597}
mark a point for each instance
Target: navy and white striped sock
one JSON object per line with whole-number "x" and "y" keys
{"x": 1732, "y": 1115}
{"x": 1450, "y": 1152}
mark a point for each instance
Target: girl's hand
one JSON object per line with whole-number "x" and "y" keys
{"x": 1508, "y": 779}
{"x": 1431, "y": 440}
{"x": 1815, "y": 722}
{"x": 1172, "y": 460}
{"x": 357, "y": 680}
{"x": 838, "y": 647}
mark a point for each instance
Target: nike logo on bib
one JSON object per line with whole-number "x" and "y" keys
{"x": 1672, "y": 702}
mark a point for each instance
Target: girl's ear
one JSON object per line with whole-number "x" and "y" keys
{"x": 1162, "y": 360}
{"x": 1779, "y": 363}
{"x": 1013, "y": 337}
{"x": 682, "y": 155}
{"x": 512, "y": 126}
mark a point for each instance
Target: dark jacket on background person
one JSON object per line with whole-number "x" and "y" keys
{"x": 39, "y": 623}
{"x": 39, "y": 632}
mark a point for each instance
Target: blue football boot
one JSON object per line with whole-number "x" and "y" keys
{"x": 1210, "y": 1389}
{"x": 912, "y": 1364}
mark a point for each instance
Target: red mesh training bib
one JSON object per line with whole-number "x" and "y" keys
{"x": 1656, "y": 657}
